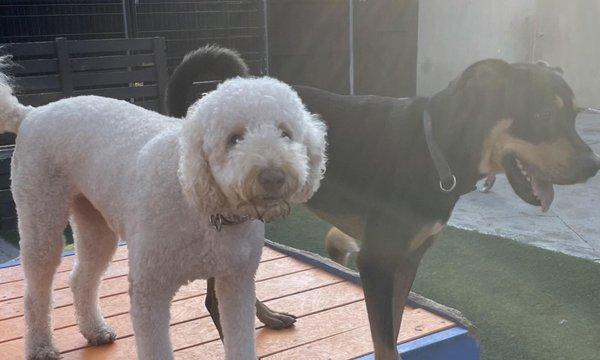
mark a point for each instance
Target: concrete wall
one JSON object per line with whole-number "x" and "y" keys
{"x": 455, "y": 33}
{"x": 568, "y": 35}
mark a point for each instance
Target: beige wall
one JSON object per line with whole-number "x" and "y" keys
{"x": 455, "y": 33}
{"x": 568, "y": 35}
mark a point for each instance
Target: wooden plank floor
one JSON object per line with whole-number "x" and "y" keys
{"x": 332, "y": 321}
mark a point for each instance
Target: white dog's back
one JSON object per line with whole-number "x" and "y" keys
{"x": 78, "y": 136}
{"x": 98, "y": 122}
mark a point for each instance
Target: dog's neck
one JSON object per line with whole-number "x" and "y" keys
{"x": 460, "y": 136}
{"x": 220, "y": 220}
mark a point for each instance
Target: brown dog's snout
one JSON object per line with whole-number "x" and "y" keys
{"x": 271, "y": 180}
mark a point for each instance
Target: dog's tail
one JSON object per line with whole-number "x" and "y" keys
{"x": 206, "y": 63}
{"x": 11, "y": 111}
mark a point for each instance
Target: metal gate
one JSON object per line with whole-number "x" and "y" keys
{"x": 346, "y": 46}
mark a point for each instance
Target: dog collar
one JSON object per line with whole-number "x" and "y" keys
{"x": 219, "y": 220}
{"x": 447, "y": 178}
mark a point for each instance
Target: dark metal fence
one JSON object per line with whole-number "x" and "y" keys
{"x": 185, "y": 24}
{"x": 45, "y": 20}
{"x": 359, "y": 47}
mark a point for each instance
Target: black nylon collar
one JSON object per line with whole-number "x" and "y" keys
{"x": 447, "y": 178}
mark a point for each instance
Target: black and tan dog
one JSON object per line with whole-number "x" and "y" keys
{"x": 382, "y": 186}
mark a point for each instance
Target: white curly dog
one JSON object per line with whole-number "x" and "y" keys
{"x": 115, "y": 170}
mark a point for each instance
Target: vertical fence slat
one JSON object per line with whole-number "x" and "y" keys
{"x": 64, "y": 67}
{"x": 160, "y": 63}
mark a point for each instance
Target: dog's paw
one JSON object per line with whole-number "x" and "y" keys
{"x": 277, "y": 320}
{"x": 44, "y": 352}
{"x": 100, "y": 336}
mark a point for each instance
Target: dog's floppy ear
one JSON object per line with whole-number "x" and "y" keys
{"x": 197, "y": 182}
{"x": 316, "y": 145}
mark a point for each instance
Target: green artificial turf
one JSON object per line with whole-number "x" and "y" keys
{"x": 528, "y": 303}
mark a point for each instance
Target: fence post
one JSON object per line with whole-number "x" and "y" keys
{"x": 265, "y": 13}
{"x": 160, "y": 63}
{"x": 351, "y": 46}
{"x": 64, "y": 66}
{"x": 130, "y": 18}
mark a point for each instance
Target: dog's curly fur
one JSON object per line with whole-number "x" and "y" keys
{"x": 115, "y": 170}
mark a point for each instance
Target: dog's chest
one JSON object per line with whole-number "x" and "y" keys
{"x": 226, "y": 252}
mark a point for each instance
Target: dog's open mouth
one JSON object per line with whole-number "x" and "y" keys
{"x": 527, "y": 184}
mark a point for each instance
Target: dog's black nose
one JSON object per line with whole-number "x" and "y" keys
{"x": 271, "y": 179}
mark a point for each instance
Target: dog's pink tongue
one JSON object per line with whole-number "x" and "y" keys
{"x": 544, "y": 191}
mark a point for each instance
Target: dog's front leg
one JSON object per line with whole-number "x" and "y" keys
{"x": 236, "y": 294}
{"x": 378, "y": 279}
{"x": 387, "y": 268}
{"x": 150, "y": 314}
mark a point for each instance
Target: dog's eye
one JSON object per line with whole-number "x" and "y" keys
{"x": 234, "y": 139}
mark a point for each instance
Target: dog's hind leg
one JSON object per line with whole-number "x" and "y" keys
{"x": 212, "y": 305}
{"x": 95, "y": 244}
{"x": 42, "y": 208}
{"x": 272, "y": 319}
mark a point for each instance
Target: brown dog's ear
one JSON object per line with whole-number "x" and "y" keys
{"x": 485, "y": 74}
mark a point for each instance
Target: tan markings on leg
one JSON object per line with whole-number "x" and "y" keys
{"x": 425, "y": 233}
{"x": 352, "y": 225}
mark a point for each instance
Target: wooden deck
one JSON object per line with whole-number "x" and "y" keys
{"x": 332, "y": 320}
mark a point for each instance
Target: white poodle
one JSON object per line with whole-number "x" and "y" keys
{"x": 166, "y": 186}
